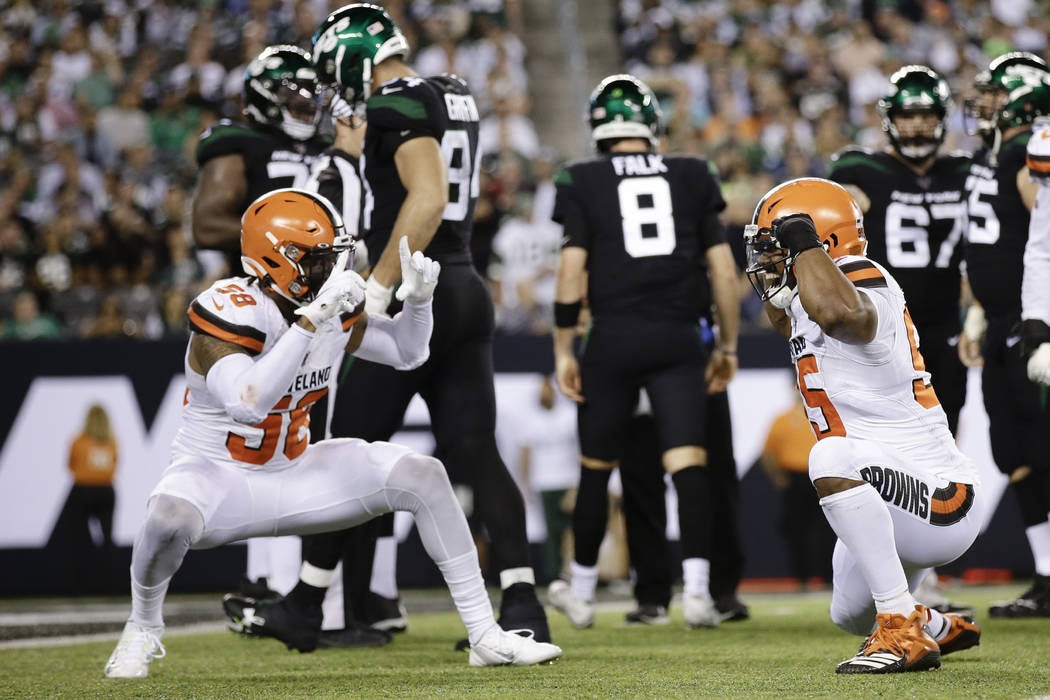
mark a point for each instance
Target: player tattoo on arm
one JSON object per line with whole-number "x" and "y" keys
{"x": 205, "y": 351}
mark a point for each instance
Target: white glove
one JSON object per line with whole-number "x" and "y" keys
{"x": 1039, "y": 364}
{"x": 342, "y": 292}
{"x": 340, "y": 108}
{"x": 975, "y": 324}
{"x": 377, "y": 297}
{"x": 419, "y": 274}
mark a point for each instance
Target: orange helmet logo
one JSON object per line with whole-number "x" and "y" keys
{"x": 290, "y": 239}
{"x": 838, "y": 218}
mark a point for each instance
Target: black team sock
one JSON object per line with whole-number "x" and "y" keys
{"x": 307, "y": 595}
{"x": 693, "y": 485}
{"x": 591, "y": 514}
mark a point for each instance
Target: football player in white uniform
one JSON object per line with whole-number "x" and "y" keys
{"x": 1035, "y": 287}
{"x": 261, "y": 352}
{"x": 891, "y": 482}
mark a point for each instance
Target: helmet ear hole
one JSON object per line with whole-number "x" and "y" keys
{"x": 271, "y": 262}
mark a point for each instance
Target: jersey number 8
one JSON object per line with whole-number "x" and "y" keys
{"x": 646, "y": 201}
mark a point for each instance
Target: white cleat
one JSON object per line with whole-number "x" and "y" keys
{"x": 137, "y": 648}
{"x": 579, "y": 612}
{"x": 700, "y": 611}
{"x": 500, "y": 648}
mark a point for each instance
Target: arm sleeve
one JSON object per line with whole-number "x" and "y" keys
{"x": 249, "y": 388}
{"x": 1035, "y": 285}
{"x": 402, "y": 342}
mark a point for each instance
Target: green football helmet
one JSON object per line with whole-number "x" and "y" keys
{"x": 915, "y": 89}
{"x": 349, "y": 42}
{"x": 623, "y": 107}
{"x": 1012, "y": 92}
{"x": 281, "y": 91}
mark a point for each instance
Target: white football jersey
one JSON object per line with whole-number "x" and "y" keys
{"x": 1035, "y": 285}
{"x": 237, "y": 311}
{"x": 878, "y": 390}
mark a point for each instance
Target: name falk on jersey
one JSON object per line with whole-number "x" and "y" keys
{"x": 639, "y": 164}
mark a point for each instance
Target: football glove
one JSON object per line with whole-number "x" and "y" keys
{"x": 419, "y": 274}
{"x": 975, "y": 324}
{"x": 342, "y": 292}
{"x": 796, "y": 233}
{"x": 377, "y": 297}
{"x": 1039, "y": 365}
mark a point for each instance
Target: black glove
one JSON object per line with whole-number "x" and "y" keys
{"x": 1033, "y": 334}
{"x": 795, "y": 232}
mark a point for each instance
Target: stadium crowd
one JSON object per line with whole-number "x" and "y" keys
{"x": 102, "y": 101}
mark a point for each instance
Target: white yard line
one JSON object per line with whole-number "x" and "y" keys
{"x": 37, "y": 642}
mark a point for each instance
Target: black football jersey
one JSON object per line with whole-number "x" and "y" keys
{"x": 272, "y": 160}
{"x": 998, "y": 229}
{"x": 401, "y": 110}
{"x": 335, "y": 177}
{"x": 646, "y": 221}
{"x": 914, "y": 225}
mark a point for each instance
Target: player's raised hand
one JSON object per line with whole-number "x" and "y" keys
{"x": 419, "y": 274}
{"x": 343, "y": 291}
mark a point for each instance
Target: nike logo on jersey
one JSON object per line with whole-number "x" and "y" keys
{"x": 405, "y": 132}
{"x": 218, "y": 306}
{"x": 1013, "y": 340}
{"x": 639, "y": 164}
{"x": 391, "y": 88}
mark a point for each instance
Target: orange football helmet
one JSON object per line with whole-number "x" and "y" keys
{"x": 290, "y": 240}
{"x": 836, "y": 216}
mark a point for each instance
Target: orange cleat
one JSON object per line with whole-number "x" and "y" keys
{"x": 898, "y": 645}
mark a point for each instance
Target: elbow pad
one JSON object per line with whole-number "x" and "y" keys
{"x": 225, "y": 382}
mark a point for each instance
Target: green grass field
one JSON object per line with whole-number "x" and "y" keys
{"x": 789, "y": 648}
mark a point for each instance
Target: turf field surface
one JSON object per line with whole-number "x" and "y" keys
{"x": 788, "y": 648}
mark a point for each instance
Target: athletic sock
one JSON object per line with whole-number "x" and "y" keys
{"x": 584, "y": 581}
{"x": 696, "y": 577}
{"x": 463, "y": 577}
{"x": 147, "y": 601}
{"x": 860, "y": 519}
{"x": 1039, "y": 541}
{"x": 591, "y": 514}
{"x": 520, "y": 574}
{"x": 312, "y": 586}
{"x": 693, "y": 485}
{"x": 938, "y": 624}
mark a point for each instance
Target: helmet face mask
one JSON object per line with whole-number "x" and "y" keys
{"x": 349, "y": 43}
{"x": 914, "y": 111}
{"x": 836, "y": 216}
{"x": 291, "y": 240}
{"x": 623, "y": 107}
{"x": 281, "y": 92}
{"x": 1013, "y": 91}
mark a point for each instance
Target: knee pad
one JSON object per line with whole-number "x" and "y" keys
{"x": 836, "y": 457}
{"x": 416, "y": 477}
{"x": 173, "y": 520}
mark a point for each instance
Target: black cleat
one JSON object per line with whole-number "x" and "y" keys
{"x": 648, "y": 615}
{"x": 353, "y": 637}
{"x": 1035, "y": 602}
{"x": 520, "y": 609}
{"x": 382, "y": 613}
{"x": 731, "y": 609}
{"x": 297, "y": 625}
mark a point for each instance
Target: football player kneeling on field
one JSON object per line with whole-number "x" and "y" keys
{"x": 892, "y": 484}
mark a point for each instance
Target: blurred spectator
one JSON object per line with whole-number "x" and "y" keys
{"x": 507, "y": 128}
{"x": 123, "y": 125}
{"x": 785, "y": 459}
{"x": 27, "y": 322}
